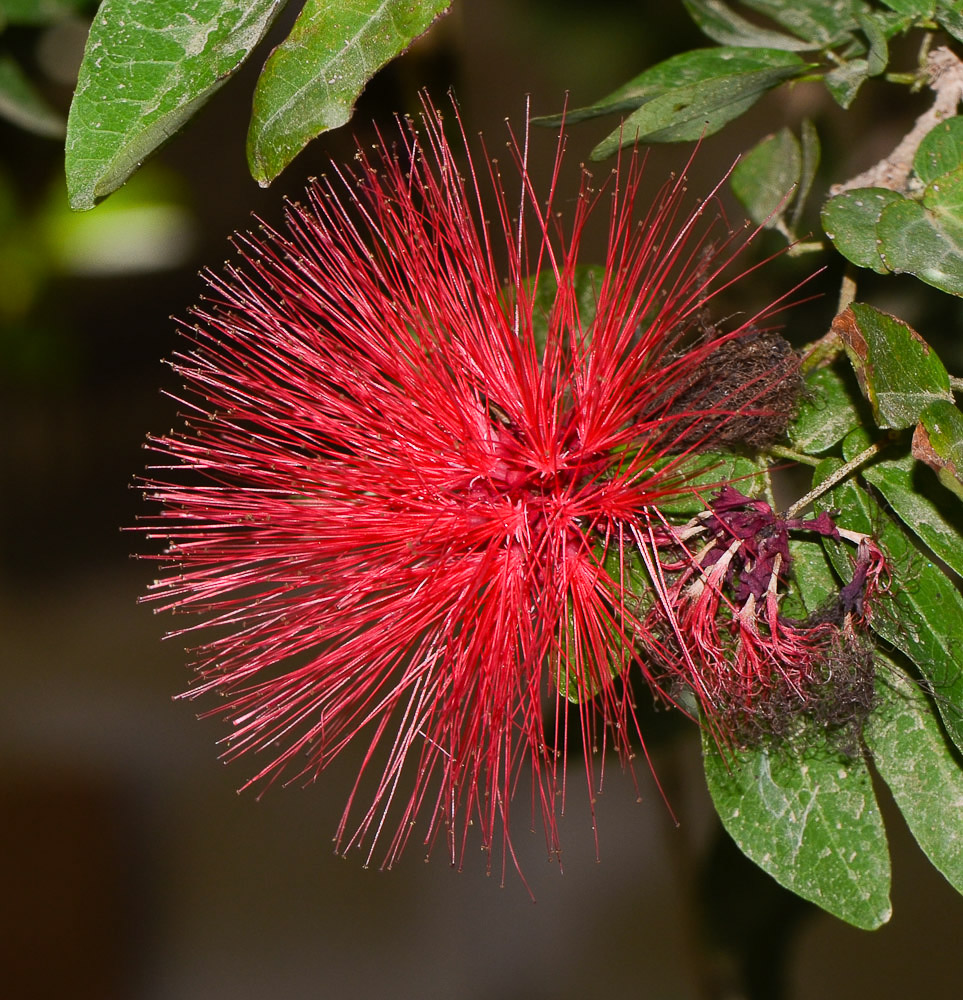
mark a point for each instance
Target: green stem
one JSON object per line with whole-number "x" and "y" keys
{"x": 778, "y": 451}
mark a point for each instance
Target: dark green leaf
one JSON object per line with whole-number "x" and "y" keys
{"x": 938, "y": 441}
{"x": 829, "y": 410}
{"x": 903, "y": 486}
{"x": 927, "y": 239}
{"x": 923, "y": 773}
{"x": 850, "y": 220}
{"x": 922, "y": 615}
{"x": 723, "y": 25}
{"x": 899, "y": 373}
{"x": 148, "y": 66}
{"x": 825, "y": 22}
{"x": 688, "y": 112}
{"x": 678, "y": 72}
{"x": 578, "y": 677}
{"x": 312, "y": 79}
{"x": 915, "y": 8}
{"x": 855, "y": 443}
{"x": 764, "y": 178}
{"x": 813, "y": 579}
{"x": 941, "y": 151}
{"x": 21, "y": 104}
{"x": 705, "y": 472}
{"x": 812, "y": 822}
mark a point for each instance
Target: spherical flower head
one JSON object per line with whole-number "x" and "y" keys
{"x": 419, "y": 439}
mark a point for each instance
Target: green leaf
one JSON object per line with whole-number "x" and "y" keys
{"x": 850, "y": 221}
{"x": 824, "y": 22}
{"x": 725, "y": 26}
{"x": 927, "y": 239}
{"x": 938, "y": 441}
{"x": 312, "y": 79}
{"x": 726, "y": 82}
{"x": 941, "y": 151}
{"x": 829, "y": 410}
{"x": 904, "y": 487}
{"x": 21, "y": 104}
{"x": 587, "y": 281}
{"x": 899, "y": 373}
{"x": 873, "y": 27}
{"x": 844, "y": 81}
{"x": 813, "y": 579}
{"x": 950, "y": 17}
{"x": 579, "y": 678}
{"x": 679, "y": 72}
{"x": 912, "y": 756}
{"x": 810, "y": 150}
{"x": 915, "y": 8}
{"x": 148, "y": 66}
{"x": 702, "y": 474}
{"x": 764, "y": 178}
{"x": 922, "y": 614}
{"x": 812, "y": 822}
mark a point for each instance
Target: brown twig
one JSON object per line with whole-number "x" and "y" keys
{"x": 945, "y": 73}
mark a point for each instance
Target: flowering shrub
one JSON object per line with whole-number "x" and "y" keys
{"x": 418, "y": 491}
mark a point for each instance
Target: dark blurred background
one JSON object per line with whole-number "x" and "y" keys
{"x": 129, "y": 868}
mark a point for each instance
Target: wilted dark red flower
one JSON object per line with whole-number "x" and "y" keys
{"x": 406, "y": 486}
{"x": 755, "y": 672}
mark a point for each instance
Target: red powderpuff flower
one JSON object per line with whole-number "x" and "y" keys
{"x": 401, "y": 479}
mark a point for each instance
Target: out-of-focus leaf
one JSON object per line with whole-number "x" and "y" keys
{"x": 829, "y": 410}
{"x": 922, "y": 615}
{"x": 810, "y": 150}
{"x": 874, "y": 28}
{"x": 899, "y": 482}
{"x": 912, "y": 756}
{"x": 723, "y": 25}
{"x": 312, "y": 79}
{"x": 825, "y": 22}
{"x": 809, "y": 820}
{"x": 148, "y": 66}
{"x": 926, "y": 239}
{"x": 39, "y": 11}
{"x": 688, "y": 69}
{"x": 899, "y": 373}
{"x": 723, "y": 90}
{"x": 587, "y": 282}
{"x": 916, "y": 8}
{"x": 145, "y": 228}
{"x": 763, "y": 179}
{"x": 941, "y": 151}
{"x": 938, "y": 441}
{"x": 949, "y": 16}
{"x": 850, "y": 220}
{"x": 844, "y": 81}
{"x": 21, "y": 104}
